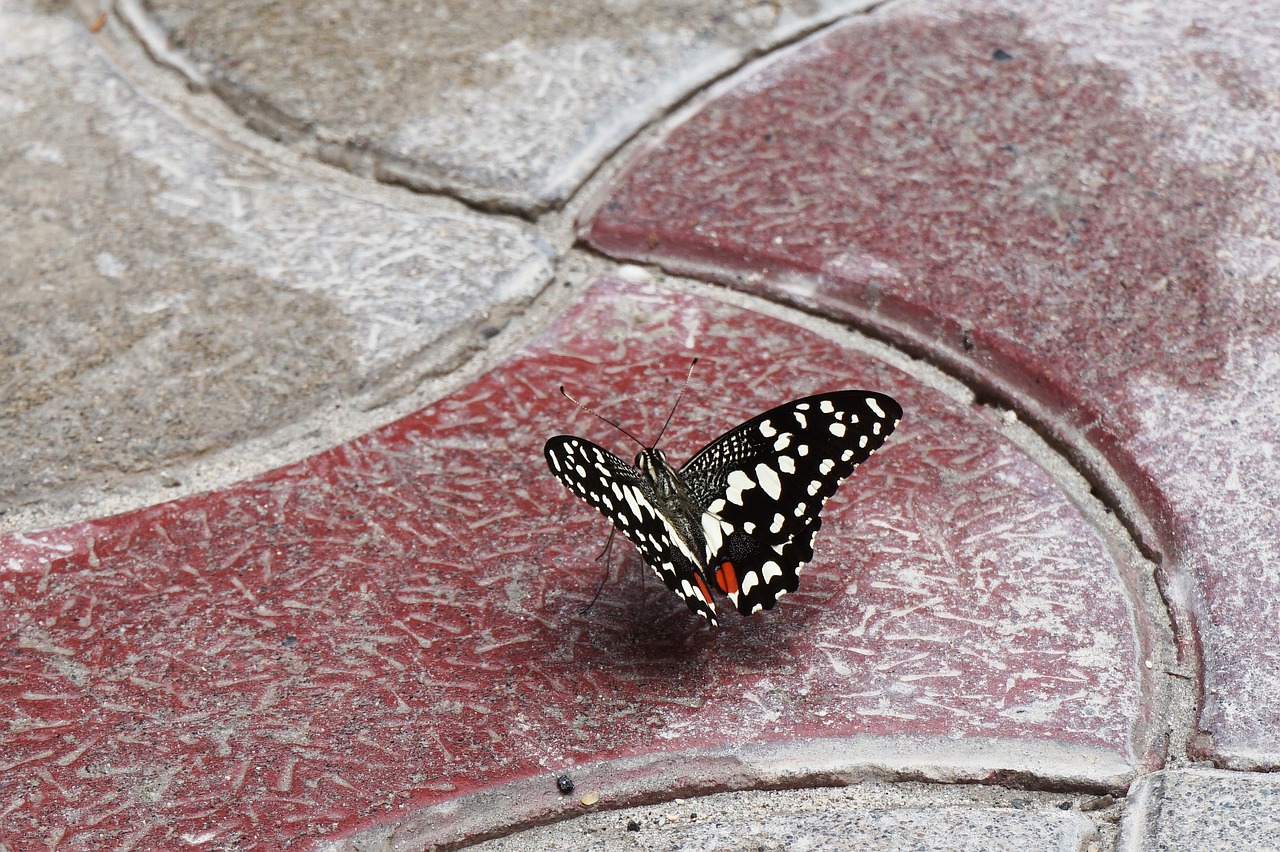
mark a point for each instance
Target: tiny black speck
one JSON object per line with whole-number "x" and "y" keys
{"x": 632, "y": 825}
{"x": 1000, "y": 55}
{"x": 289, "y": 641}
{"x": 564, "y": 784}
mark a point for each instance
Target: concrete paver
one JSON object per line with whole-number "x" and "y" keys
{"x": 1064, "y": 203}
{"x": 852, "y": 818}
{"x": 166, "y": 294}
{"x": 396, "y": 623}
{"x": 511, "y": 107}
{"x": 1071, "y": 208}
{"x": 1195, "y": 809}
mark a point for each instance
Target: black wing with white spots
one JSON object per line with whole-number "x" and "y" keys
{"x": 741, "y": 514}
{"x": 763, "y": 484}
{"x": 631, "y": 501}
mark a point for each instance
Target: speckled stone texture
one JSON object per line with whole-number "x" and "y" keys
{"x": 398, "y": 622}
{"x": 1193, "y": 809}
{"x": 1073, "y": 206}
{"x": 165, "y": 294}
{"x": 507, "y": 105}
{"x": 852, "y": 819}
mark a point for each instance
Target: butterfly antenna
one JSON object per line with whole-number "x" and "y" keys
{"x": 671, "y": 414}
{"x": 600, "y": 417}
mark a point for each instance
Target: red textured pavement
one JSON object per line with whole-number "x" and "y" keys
{"x": 396, "y": 623}
{"x": 1074, "y": 208}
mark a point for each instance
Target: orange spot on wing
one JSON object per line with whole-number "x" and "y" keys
{"x": 727, "y": 578}
{"x": 702, "y": 586}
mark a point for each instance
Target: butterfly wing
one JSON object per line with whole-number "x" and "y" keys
{"x": 622, "y": 494}
{"x": 763, "y": 484}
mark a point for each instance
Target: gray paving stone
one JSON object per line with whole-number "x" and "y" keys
{"x": 164, "y": 294}
{"x": 505, "y": 105}
{"x": 1202, "y": 810}
{"x": 843, "y": 819}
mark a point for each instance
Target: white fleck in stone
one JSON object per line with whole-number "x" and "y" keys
{"x": 770, "y": 570}
{"x": 769, "y": 480}
{"x": 766, "y": 429}
{"x": 786, "y": 464}
{"x": 838, "y": 429}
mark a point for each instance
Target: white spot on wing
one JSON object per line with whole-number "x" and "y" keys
{"x": 778, "y": 521}
{"x": 749, "y": 582}
{"x": 711, "y": 530}
{"x": 838, "y": 429}
{"x": 769, "y": 480}
{"x": 786, "y": 464}
{"x": 826, "y": 407}
{"x": 738, "y": 482}
{"x": 826, "y": 467}
{"x": 770, "y": 570}
{"x": 804, "y": 424}
{"x": 875, "y": 407}
{"x": 766, "y": 429}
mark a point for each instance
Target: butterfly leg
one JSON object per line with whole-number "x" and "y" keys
{"x": 605, "y": 555}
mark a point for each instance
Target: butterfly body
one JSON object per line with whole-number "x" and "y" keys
{"x": 740, "y": 515}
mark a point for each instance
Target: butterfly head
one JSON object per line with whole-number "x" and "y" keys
{"x": 653, "y": 465}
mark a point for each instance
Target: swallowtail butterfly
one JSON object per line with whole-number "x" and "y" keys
{"x": 741, "y": 515}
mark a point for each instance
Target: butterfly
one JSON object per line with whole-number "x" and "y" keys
{"x": 741, "y": 515}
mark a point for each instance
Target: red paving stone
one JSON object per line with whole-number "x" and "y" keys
{"x": 1093, "y": 244}
{"x": 397, "y": 622}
